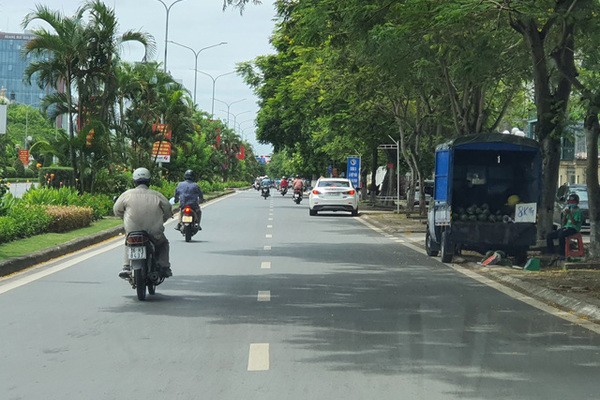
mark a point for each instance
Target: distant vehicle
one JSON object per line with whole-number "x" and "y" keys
{"x": 333, "y": 194}
{"x": 418, "y": 198}
{"x": 560, "y": 203}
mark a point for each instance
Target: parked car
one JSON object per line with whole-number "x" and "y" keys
{"x": 560, "y": 203}
{"x": 333, "y": 194}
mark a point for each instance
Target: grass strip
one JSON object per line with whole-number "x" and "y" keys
{"x": 32, "y": 244}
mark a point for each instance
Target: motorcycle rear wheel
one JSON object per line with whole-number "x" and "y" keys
{"x": 140, "y": 284}
{"x": 188, "y": 233}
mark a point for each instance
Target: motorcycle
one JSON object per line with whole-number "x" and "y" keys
{"x": 189, "y": 223}
{"x": 144, "y": 270}
{"x": 265, "y": 192}
{"x": 297, "y": 196}
{"x": 283, "y": 190}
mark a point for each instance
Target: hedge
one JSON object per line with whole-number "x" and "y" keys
{"x": 68, "y": 218}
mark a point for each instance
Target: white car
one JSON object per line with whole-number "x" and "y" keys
{"x": 333, "y": 194}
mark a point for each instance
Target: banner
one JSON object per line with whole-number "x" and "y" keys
{"x": 353, "y": 170}
{"x": 24, "y": 157}
{"x": 163, "y": 131}
{"x": 161, "y": 152}
{"x": 3, "y": 108}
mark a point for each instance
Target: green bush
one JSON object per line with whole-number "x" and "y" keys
{"x": 112, "y": 183}
{"x": 29, "y": 220}
{"x": 236, "y": 184}
{"x": 56, "y": 177}
{"x": 101, "y": 204}
{"x": 165, "y": 187}
{"x": 205, "y": 186}
{"x": 50, "y": 196}
{"x": 7, "y": 202}
{"x": 10, "y": 172}
{"x": 68, "y": 218}
{"x": 8, "y": 229}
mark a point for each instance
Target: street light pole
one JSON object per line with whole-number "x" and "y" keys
{"x": 235, "y": 116}
{"x": 214, "y": 80}
{"x": 167, "y": 9}
{"x": 196, "y": 53}
{"x": 228, "y": 107}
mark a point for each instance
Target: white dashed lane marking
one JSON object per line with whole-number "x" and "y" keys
{"x": 269, "y": 226}
{"x": 264, "y": 295}
{"x": 268, "y": 236}
{"x": 258, "y": 357}
{"x": 265, "y": 265}
{"x": 267, "y": 248}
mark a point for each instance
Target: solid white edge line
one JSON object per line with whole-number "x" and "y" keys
{"x": 258, "y": 357}
{"x": 498, "y": 286}
{"x": 28, "y": 277}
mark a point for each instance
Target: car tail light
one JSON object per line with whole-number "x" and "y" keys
{"x": 187, "y": 210}
{"x": 351, "y": 192}
{"x": 315, "y": 191}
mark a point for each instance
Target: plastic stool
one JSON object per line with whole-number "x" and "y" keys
{"x": 576, "y": 238}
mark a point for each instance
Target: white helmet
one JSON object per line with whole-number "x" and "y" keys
{"x": 141, "y": 174}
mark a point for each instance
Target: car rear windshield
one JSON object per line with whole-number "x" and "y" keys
{"x": 344, "y": 184}
{"x": 583, "y": 194}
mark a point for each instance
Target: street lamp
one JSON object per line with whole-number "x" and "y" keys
{"x": 235, "y": 116}
{"x": 214, "y": 80}
{"x": 229, "y": 106}
{"x": 167, "y": 9}
{"x": 196, "y": 53}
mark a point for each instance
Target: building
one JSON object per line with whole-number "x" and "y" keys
{"x": 12, "y": 68}
{"x": 573, "y": 154}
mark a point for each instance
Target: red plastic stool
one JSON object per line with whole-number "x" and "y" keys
{"x": 574, "y": 239}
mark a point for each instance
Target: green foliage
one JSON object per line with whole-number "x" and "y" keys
{"x": 205, "y": 186}
{"x": 101, "y": 204}
{"x": 23, "y": 220}
{"x": 56, "y": 177}
{"x": 112, "y": 182}
{"x": 7, "y": 202}
{"x": 165, "y": 187}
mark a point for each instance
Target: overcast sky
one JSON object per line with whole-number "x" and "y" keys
{"x": 196, "y": 24}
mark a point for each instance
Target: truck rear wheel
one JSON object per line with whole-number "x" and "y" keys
{"x": 447, "y": 248}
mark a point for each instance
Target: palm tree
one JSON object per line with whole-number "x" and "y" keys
{"x": 58, "y": 55}
{"x": 85, "y": 57}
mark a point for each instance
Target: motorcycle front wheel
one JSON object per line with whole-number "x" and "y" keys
{"x": 140, "y": 283}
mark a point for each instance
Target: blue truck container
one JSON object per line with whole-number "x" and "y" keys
{"x": 478, "y": 179}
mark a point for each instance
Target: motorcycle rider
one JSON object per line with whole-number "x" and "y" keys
{"x": 143, "y": 209}
{"x": 265, "y": 184}
{"x": 298, "y": 185}
{"x": 188, "y": 193}
{"x": 283, "y": 185}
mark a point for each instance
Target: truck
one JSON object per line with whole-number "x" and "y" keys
{"x": 487, "y": 189}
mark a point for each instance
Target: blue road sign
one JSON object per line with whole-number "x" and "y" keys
{"x": 353, "y": 170}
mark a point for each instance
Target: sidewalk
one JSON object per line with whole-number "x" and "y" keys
{"x": 576, "y": 290}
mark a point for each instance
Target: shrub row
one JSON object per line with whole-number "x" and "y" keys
{"x": 22, "y": 221}
{"x": 101, "y": 204}
{"x": 68, "y": 218}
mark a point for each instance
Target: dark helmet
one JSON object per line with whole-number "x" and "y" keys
{"x": 573, "y": 198}
{"x": 189, "y": 175}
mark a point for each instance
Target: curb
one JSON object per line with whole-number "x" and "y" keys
{"x": 573, "y": 305}
{"x": 16, "y": 264}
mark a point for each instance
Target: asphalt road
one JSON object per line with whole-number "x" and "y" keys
{"x": 269, "y": 303}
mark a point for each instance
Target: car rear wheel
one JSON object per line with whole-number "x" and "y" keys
{"x": 312, "y": 212}
{"x": 355, "y": 212}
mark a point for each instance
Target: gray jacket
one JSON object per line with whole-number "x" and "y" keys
{"x": 143, "y": 209}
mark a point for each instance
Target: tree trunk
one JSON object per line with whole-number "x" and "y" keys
{"x": 592, "y": 131}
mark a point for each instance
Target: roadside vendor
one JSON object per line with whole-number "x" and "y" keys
{"x": 572, "y": 218}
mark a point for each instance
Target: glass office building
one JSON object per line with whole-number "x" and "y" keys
{"x": 12, "y": 67}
